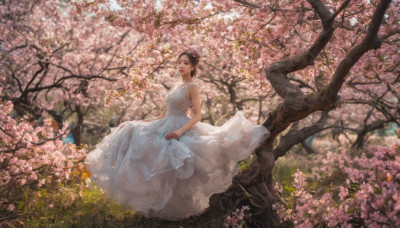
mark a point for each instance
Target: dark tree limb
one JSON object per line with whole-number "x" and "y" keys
{"x": 76, "y": 131}
{"x": 308, "y": 148}
{"x": 295, "y": 136}
{"x": 15, "y": 78}
{"x": 379, "y": 106}
{"x": 370, "y": 41}
{"x": 261, "y": 6}
{"x": 361, "y": 135}
{"x": 277, "y": 72}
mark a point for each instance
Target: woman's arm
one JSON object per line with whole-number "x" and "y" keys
{"x": 194, "y": 94}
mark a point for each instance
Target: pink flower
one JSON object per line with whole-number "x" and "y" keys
{"x": 361, "y": 196}
{"x": 10, "y": 207}
{"x": 42, "y": 182}
{"x": 278, "y": 188}
{"x": 343, "y": 192}
{"x": 22, "y": 181}
{"x": 240, "y": 216}
{"x": 299, "y": 180}
{"x": 236, "y": 217}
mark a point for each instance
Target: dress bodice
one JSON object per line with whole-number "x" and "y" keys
{"x": 177, "y": 101}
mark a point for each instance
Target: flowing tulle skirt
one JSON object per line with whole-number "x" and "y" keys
{"x": 171, "y": 179}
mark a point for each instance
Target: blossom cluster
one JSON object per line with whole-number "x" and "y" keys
{"x": 31, "y": 156}
{"x": 238, "y": 217}
{"x": 367, "y": 193}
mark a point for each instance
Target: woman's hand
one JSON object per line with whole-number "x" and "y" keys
{"x": 174, "y": 134}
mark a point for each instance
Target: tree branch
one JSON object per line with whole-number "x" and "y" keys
{"x": 277, "y": 72}
{"x": 370, "y": 41}
{"x": 295, "y": 136}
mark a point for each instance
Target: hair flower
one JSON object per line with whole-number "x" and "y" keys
{"x": 194, "y": 51}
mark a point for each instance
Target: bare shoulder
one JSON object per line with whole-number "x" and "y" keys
{"x": 193, "y": 89}
{"x": 193, "y": 85}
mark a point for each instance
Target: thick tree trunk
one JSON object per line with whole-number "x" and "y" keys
{"x": 76, "y": 131}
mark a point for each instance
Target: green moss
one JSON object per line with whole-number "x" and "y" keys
{"x": 245, "y": 164}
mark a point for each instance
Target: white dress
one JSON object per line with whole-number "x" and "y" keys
{"x": 171, "y": 179}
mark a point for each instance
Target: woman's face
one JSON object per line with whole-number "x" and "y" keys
{"x": 184, "y": 66}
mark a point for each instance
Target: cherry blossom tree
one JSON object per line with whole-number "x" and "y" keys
{"x": 313, "y": 55}
{"x": 299, "y": 66}
{"x": 53, "y": 63}
{"x": 367, "y": 194}
{"x": 31, "y": 156}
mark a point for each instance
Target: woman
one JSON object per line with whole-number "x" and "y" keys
{"x": 169, "y": 166}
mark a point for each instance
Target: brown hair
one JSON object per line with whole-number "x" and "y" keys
{"x": 193, "y": 59}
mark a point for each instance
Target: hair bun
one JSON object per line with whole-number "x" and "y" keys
{"x": 194, "y": 52}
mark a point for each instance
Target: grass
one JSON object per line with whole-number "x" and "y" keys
{"x": 73, "y": 205}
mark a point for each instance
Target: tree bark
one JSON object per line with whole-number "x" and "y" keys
{"x": 76, "y": 131}
{"x": 367, "y": 128}
{"x": 295, "y": 136}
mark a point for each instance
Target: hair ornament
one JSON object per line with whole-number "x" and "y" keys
{"x": 195, "y": 53}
